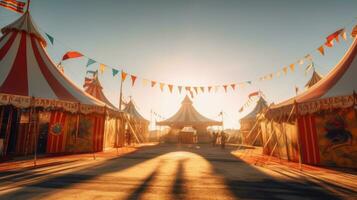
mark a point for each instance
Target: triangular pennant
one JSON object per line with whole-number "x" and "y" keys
{"x": 301, "y": 62}
{"x": 285, "y": 70}
{"x": 209, "y": 89}
{"x": 329, "y": 43}
{"x": 90, "y": 61}
{"x": 71, "y": 54}
{"x": 50, "y": 38}
{"x": 344, "y": 35}
{"x": 133, "y": 79}
{"x": 115, "y": 72}
{"x": 179, "y": 89}
{"x": 153, "y": 83}
{"x": 196, "y": 90}
{"x": 292, "y": 67}
{"x": 162, "y": 85}
{"x": 321, "y": 50}
{"x": 102, "y": 68}
{"x": 123, "y": 76}
{"x": 233, "y": 86}
{"x": 308, "y": 57}
{"x": 145, "y": 82}
{"x": 188, "y": 88}
{"x": 170, "y": 87}
{"x": 202, "y": 89}
{"x": 354, "y": 31}
{"x": 249, "y": 82}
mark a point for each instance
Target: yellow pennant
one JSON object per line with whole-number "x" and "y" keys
{"x": 145, "y": 82}
{"x": 101, "y": 68}
{"x": 285, "y": 70}
{"x": 162, "y": 85}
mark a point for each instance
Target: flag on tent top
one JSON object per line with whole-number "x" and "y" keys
{"x": 71, "y": 54}
{"x": 13, "y": 5}
{"x": 253, "y": 94}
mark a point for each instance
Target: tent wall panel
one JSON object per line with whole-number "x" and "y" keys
{"x": 337, "y": 138}
{"x": 292, "y": 141}
{"x": 56, "y": 140}
{"x": 308, "y": 140}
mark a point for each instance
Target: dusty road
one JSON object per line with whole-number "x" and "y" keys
{"x": 164, "y": 172}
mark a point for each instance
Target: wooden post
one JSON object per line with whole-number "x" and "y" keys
{"x": 298, "y": 134}
{"x": 121, "y": 94}
{"x": 36, "y": 133}
{"x": 8, "y": 129}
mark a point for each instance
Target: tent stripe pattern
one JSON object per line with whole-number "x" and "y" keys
{"x": 27, "y": 70}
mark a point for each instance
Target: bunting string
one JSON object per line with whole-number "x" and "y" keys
{"x": 195, "y": 90}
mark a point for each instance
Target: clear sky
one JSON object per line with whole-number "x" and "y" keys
{"x": 197, "y": 42}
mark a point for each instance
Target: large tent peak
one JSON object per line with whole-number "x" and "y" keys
{"x": 25, "y": 24}
{"x": 187, "y": 100}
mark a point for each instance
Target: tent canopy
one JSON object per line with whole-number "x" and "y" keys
{"x": 133, "y": 112}
{"x": 260, "y": 106}
{"x": 93, "y": 87}
{"x": 27, "y": 70}
{"x": 339, "y": 82}
{"x": 187, "y": 115}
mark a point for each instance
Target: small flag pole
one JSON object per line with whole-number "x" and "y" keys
{"x": 121, "y": 93}
{"x": 28, "y": 5}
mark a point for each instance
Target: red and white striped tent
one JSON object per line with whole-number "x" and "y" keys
{"x": 328, "y": 103}
{"x": 30, "y": 79}
{"x": 93, "y": 87}
{"x": 27, "y": 70}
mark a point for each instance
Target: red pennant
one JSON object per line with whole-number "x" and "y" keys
{"x": 233, "y": 86}
{"x": 71, "y": 54}
{"x": 133, "y": 79}
{"x": 225, "y": 87}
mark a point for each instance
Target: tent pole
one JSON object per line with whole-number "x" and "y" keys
{"x": 120, "y": 94}
{"x": 8, "y": 127}
{"x": 1, "y": 118}
{"x": 298, "y": 134}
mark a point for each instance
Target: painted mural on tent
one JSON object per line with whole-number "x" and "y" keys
{"x": 337, "y": 138}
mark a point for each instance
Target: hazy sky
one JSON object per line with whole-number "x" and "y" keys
{"x": 200, "y": 42}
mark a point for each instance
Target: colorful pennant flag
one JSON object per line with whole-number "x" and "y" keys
{"x": 162, "y": 85}
{"x": 301, "y": 62}
{"x": 321, "y": 50}
{"x": 188, "y": 88}
{"x": 292, "y": 67}
{"x": 102, "y": 68}
{"x": 50, "y": 38}
{"x": 196, "y": 90}
{"x": 71, "y": 54}
{"x": 133, "y": 79}
{"x": 179, "y": 89}
{"x": 202, "y": 89}
{"x": 285, "y": 70}
{"x": 308, "y": 57}
{"x": 344, "y": 35}
{"x": 170, "y": 87}
{"x": 233, "y": 86}
{"x": 115, "y": 72}
{"x": 354, "y": 31}
{"x": 153, "y": 83}
{"x": 332, "y": 37}
{"x": 145, "y": 82}
{"x": 13, "y": 5}
{"x": 123, "y": 76}
{"x": 225, "y": 88}
{"x": 90, "y": 61}
{"x": 209, "y": 89}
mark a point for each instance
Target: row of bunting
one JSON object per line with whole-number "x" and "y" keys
{"x": 334, "y": 37}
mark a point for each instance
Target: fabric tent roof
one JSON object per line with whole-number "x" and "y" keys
{"x": 131, "y": 110}
{"x": 316, "y": 77}
{"x": 187, "y": 115}
{"x": 259, "y": 107}
{"x": 340, "y": 81}
{"x": 93, "y": 87}
{"x": 27, "y": 70}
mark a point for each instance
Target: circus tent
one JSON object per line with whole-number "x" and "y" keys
{"x": 320, "y": 124}
{"x": 188, "y": 116}
{"x": 315, "y": 77}
{"x": 139, "y": 124}
{"x": 93, "y": 87}
{"x": 248, "y": 128}
{"x": 39, "y": 104}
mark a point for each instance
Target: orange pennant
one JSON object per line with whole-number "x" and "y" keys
{"x": 354, "y": 31}
{"x": 233, "y": 86}
{"x": 123, "y": 75}
{"x": 292, "y": 67}
{"x": 321, "y": 50}
{"x": 188, "y": 88}
{"x": 170, "y": 88}
{"x": 133, "y": 79}
{"x": 285, "y": 70}
{"x": 153, "y": 83}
